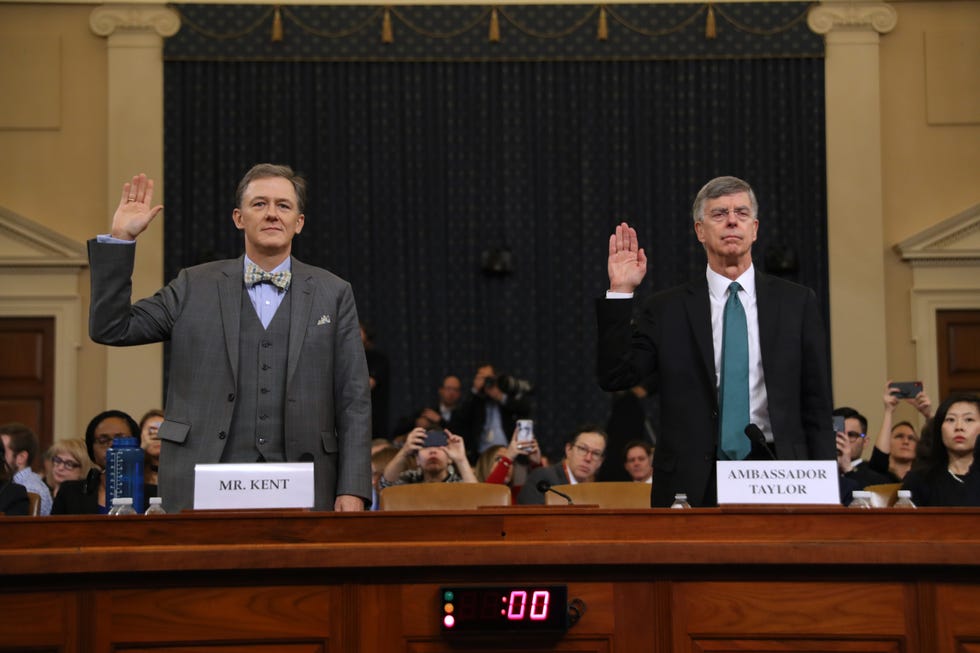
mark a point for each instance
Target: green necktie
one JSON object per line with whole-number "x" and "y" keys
{"x": 734, "y": 392}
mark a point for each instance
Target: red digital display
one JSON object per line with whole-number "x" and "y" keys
{"x": 504, "y": 608}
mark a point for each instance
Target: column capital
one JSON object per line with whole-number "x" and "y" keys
{"x": 832, "y": 15}
{"x": 106, "y": 19}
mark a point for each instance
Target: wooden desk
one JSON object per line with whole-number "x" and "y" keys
{"x": 756, "y": 579}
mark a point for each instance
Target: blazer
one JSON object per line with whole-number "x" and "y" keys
{"x": 13, "y": 499}
{"x": 327, "y": 414}
{"x": 554, "y": 475}
{"x": 672, "y": 338}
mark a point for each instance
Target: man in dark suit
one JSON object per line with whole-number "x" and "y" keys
{"x": 266, "y": 360}
{"x": 584, "y": 454}
{"x": 488, "y": 416}
{"x": 678, "y": 334}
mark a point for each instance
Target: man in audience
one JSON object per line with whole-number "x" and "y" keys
{"x": 850, "y": 447}
{"x": 21, "y": 448}
{"x": 583, "y": 457}
{"x": 488, "y": 416}
{"x": 449, "y": 393}
{"x": 436, "y": 464}
{"x": 639, "y": 461}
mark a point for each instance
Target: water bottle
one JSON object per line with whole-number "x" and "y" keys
{"x": 156, "y": 507}
{"x": 904, "y": 499}
{"x": 860, "y": 499}
{"x": 122, "y": 506}
{"x": 680, "y": 501}
{"x": 124, "y": 471}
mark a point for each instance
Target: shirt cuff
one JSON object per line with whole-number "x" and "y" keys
{"x": 618, "y": 295}
{"x": 106, "y": 238}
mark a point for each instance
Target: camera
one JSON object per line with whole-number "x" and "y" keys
{"x": 905, "y": 389}
{"x": 510, "y": 385}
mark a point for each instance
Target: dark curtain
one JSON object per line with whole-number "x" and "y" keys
{"x": 417, "y": 169}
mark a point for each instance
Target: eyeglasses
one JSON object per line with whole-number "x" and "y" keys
{"x": 743, "y": 213}
{"x": 67, "y": 463}
{"x": 104, "y": 440}
{"x": 585, "y": 451}
{"x": 854, "y": 435}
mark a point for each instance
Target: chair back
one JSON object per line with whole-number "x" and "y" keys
{"x": 610, "y": 494}
{"x": 883, "y": 495}
{"x": 444, "y": 496}
{"x": 33, "y": 504}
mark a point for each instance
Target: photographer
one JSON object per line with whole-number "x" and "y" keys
{"x": 435, "y": 450}
{"x": 492, "y": 410}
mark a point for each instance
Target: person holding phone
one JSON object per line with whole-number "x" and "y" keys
{"x": 511, "y": 465}
{"x": 441, "y": 457}
{"x": 896, "y": 447}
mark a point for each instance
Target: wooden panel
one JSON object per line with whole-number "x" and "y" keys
{"x": 39, "y": 622}
{"x": 27, "y": 376}
{"x": 958, "y": 348}
{"x": 793, "y": 616}
{"x": 957, "y": 618}
{"x": 237, "y": 648}
{"x": 196, "y": 616}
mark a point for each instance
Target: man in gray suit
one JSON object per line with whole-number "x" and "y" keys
{"x": 266, "y": 361}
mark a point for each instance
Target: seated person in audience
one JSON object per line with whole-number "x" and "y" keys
{"x": 442, "y": 464}
{"x": 638, "y": 461}
{"x": 87, "y": 497}
{"x": 379, "y": 460}
{"x": 150, "y": 442}
{"x": 13, "y": 496}
{"x": 69, "y": 462}
{"x": 896, "y": 447}
{"x": 947, "y": 475}
{"x": 22, "y": 447}
{"x": 583, "y": 457}
{"x": 850, "y": 446}
{"x": 510, "y": 465}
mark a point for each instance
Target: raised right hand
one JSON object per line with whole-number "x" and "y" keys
{"x": 134, "y": 212}
{"x": 627, "y": 264}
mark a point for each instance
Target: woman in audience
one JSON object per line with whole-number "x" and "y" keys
{"x": 87, "y": 496}
{"x": 150, "y": 441}
{"x": 69, "y": 462}
{"x": 509, "y": 465}
{"x": 946, "y": 475}
{"x": 13, "y": 496}
{"x": 895, "y": 448}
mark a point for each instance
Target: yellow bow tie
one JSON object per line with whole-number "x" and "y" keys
{"x": 254, "y": 274}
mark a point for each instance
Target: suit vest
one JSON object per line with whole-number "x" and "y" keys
{"x": 257, "y": 431}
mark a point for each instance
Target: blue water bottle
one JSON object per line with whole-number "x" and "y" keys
{"x": 124, "y": 471}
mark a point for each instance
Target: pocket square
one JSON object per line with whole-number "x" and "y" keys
{"x": 324, "y": 319}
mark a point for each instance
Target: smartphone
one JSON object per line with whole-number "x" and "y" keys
{"x": 525, "y": 430}
{"x": 905, "y": 389}
{"x": 838, "y": 424}
{"x": 435, "y": 438}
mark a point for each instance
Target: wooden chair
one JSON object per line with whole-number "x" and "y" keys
{"x": 33, "y": 504}
{"x": 613, "y": 494}
{"x": 445, "y": 496}
{"x": 883, "y": 495}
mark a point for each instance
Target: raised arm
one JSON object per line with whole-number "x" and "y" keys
{"x": 627, "y": 263}
{"x": 135, "y": 210}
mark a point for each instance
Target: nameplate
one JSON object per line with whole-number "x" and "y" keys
{"x": 778, "y": 481}
{"x": 253, "y": 485}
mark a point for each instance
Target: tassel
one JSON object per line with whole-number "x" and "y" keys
{"x": 494, "y": 26}
{"x": 710, "y": 30}
{"x": 387, "y": 35}
{"x": 603, "y": 24}
{"x": 277, "y": 26}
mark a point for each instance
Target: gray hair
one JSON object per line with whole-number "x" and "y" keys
{"x": 267, "y": 170}
{"x": 720, "y": 187}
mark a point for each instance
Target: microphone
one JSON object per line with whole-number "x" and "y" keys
{"x": 544, "y": 486}
{"x": 755, "y": 436}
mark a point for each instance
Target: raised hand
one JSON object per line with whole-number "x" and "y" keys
{"x": 135, "y": 210}
{"x": 627, "y": 264}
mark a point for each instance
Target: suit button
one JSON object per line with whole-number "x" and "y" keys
{"x": 262, "y": 440}
{"x": 265, "y": 366}
{"x": 263, "y": 417}
{"x": 266, "y": 344}
{"x": 264, "y": 391}
{"x": 231, "y": 396}
{"x": 714, "y": 414}
{"x": 221, "y": 435}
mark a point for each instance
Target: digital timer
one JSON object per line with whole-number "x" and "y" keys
{"x": 504, "y": 608}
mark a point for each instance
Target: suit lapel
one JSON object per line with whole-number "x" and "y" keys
{"x": 230, "y": 305}
{"x": 699, "y": 317}
{"x": 768, "y": 310}
{"x": 302, "y": 287}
